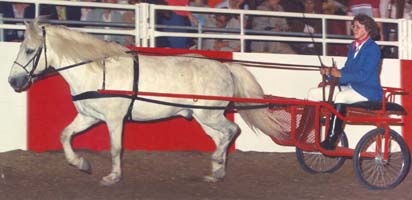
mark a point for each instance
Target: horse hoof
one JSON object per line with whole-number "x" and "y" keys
{"x": 85, "y": 166}
{"x": 212, "y": 179}
{"x": 110, "y": 180}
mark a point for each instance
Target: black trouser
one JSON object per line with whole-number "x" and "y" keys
{"x": 335, "y": 128}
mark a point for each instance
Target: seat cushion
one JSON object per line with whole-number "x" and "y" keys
{"x": 377, "y": 105}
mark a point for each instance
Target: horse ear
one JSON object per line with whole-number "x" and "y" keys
{"x": 33, "y": 27}
{"x": 42, "y": 19}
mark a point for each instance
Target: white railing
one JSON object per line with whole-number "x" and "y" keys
{"x": 145, "y": 29}
{"x": 324, "y": 40}
{"x": 37, "y": 3}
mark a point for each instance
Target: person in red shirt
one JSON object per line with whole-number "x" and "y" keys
{"x": 366, "y": 7}
{"x": 177, "y": 18}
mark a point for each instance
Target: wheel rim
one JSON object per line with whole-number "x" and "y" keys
{"x": 377, "y": 171}
{"x": 316, "y": 162}
{"x": 319, "y": 162}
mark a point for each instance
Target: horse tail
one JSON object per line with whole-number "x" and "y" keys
{"x": 246, "y": 86}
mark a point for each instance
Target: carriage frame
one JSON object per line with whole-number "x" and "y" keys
{"x": 383, "y": 117}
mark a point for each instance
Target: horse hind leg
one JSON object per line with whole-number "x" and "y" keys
{"x": 79, "y": 124}
{"x": 222, "y": 131}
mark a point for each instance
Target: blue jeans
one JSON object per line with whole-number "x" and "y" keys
{"x": 176, "y": 20}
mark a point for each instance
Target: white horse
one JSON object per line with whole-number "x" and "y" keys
{"x": 57, "y": 46}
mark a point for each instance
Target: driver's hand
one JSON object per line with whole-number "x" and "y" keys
{"x": 325, "y": 71}
{"x": 335, "y": 72}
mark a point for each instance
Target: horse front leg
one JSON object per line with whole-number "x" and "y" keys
{"x": 115, "y": 131}
{"x": 79, "y": 124}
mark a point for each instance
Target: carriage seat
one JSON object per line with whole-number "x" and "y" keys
{"x": 392, "y": 108}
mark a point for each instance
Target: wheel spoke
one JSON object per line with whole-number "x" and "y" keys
{"x": 380, "y": 173}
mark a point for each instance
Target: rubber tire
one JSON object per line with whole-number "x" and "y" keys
{"x": 405, "y": 153}
{"x": 300, "y": 155}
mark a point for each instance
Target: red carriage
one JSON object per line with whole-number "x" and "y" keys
{"x": 381, "y": 159}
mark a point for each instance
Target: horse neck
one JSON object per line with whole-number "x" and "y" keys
{"x": 75, "y": 77}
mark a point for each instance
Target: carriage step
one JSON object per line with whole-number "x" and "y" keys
{"x": 339, "y": 152}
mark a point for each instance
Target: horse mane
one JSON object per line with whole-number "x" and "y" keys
{"x": 79, "y": 46}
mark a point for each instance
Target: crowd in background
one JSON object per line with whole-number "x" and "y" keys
{"x": 228, "y": 23}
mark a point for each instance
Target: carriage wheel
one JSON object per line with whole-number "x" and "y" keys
{"x": 370, "y": 166}
{"x": 315, "y": 162}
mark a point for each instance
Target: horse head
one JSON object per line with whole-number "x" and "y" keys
{"x": 30, "y": 60}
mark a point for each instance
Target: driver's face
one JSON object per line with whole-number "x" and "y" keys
{"x": 359, "y": 30}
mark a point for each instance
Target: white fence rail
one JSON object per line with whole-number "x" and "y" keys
{"x": 146, "y": 30}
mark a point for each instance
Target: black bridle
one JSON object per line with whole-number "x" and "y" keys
{"x": 35, "y": 60}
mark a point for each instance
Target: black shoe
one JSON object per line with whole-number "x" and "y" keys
{"x": 335, "y": 129}
{"x": 329, "y": 144}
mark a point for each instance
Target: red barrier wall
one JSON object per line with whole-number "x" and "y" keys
{"x": 406, "y": 83}
{"x": 50, "y": 110}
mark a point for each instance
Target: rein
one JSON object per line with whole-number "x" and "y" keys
{"x": 48, "y": 72}
{"x": 334, "y": 81}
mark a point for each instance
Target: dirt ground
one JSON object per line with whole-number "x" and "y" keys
{"x": 177, "y": 175}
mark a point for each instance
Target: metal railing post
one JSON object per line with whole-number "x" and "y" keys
{"x": 36, "y": 9}
{"x": 137, "y": 29}
{"x": 199, "y": 39}
{"x": 144, "y": 23}
{"x": 152, "y": 25}
{"x": 1, "y": 30}
{"x": 324, "y": 52}
{"x": 403, "y": 39}
{"x": 242, "y": 32}
{"x": 409, "y": 39}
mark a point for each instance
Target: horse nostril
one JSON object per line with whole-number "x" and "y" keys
{"x": 19, "y": 82}
{"x": 12, "y": 82}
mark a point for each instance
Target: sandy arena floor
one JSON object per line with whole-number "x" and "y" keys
{"x": 177, "y": 175}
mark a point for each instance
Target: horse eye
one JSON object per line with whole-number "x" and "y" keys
{"x": 29, "y": 51}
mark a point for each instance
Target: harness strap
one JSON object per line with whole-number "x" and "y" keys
{"x": 136, "y": 72}
{"x": 45, "y": 47}
{"x": 97, "y": 95}
{"x": 104, "y": 75}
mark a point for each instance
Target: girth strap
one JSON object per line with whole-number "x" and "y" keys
{"x": 136, "y": 73}
{"x": 133, "y": 98}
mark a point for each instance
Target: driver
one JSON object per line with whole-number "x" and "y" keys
{"x": 359, "y": 78}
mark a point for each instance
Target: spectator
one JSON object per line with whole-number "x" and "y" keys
{"x": 335, "y": 27}
{"x": 85, "y": 11}
{"x": 407, "y": 11}
{"x": 21, "y": 10}
{"x": 393, "y": 9}
{"x": 274, "y": 24}
{"x": 309, "y": 26}
{"x": 367, "y": 7}
{"x": 110, "y": 16}
{"x": 71, "y": 13}
{"x": 129, "y": 17}
{"x": 222, "y": 21}
{"x": 232, "y": 4}
{"x": 15, "y": 10}
{"x": 214, "y": 3}
{"x": 177, "y": 18}
{"x": 200, "y": 19}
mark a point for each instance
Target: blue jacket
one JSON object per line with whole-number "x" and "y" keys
{"x": 362, "y": 72}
